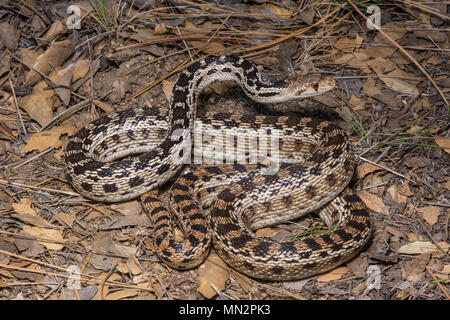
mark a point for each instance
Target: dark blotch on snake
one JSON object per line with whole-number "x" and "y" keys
{"x": 110, "y": 187}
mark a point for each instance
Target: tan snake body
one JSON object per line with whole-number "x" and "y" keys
{"x": 240, "y": 199}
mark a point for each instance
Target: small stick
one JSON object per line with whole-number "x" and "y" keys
{"x": 387, "y": 169}
{"x": 20, "y": 185}
{"x": 17, "y": 107}
{"x": 438, "y": 283}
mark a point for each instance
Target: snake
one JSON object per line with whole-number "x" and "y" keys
{"x": 131, "y": 153}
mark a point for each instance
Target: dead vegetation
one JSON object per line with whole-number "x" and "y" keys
{"x": 392, "y": 100}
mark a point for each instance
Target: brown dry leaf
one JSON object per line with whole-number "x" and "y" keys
{"x": 167, "y": 87}
{"x": 9, "y": 35}
{"x": 400, "y": 85}
{"x": 357, "y": 103}
{"x": 122, "y": 294}
{"x": 430, "y": 214}
{"x": 414, "y": 270}
{"x": 127, "y": 208}
{"x": 279, "y": 11}
{"x": 39, "y": 104}
{"x": 395, "y": 232}
{"x": 307, "y": 15}
{"x": 420, "y": 247}
{"x": 444, "y": 143}
{"x": 133, "y": 265}
{"x": 394, "y": 30}
{"x": 6, "y": 132}
{"x": 445, "y": 272}
{"x": 395, "y": 194}
{"x": 345, "y": 44}
{"x": 370, "y": 88}
{"x": 53, "y": 57}
{"x": 404, "y": 190}
{"x": 373, "y": 202}
{"x": 64, "y": 81}
{"x": 24, "y": 207}
{"x": 80, "y": 69}
{"x": 333, "y": 275}
{"x": 104, "y": 106}
{"x": 121, "y": 86}
{"x": 213, "y": 272}
{"x": 50, "y": 234}
{"x": 377, "y": 51}
{"x": 364, "y": 169}
{"x": 64, "y": 218}
{"x": 55, "y": 29}
{"x": 28, "y": 215}
{"x": 29, "y": 56}
{"x": 46, "y": 139}
{"x": 381, "y": 65}
{"x": 160, "y": 28}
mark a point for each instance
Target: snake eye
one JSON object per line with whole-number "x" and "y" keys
{"x": 315, "y": 86}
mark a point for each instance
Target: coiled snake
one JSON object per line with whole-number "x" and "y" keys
{"x": 312, "y": 167}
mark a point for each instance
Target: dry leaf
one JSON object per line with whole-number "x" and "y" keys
{"x": 28, "y": 215}
{"x": 80, "y": 69}
{"x": 24, "y": 207}
{"x": 127, "y": 208}
{"x": 334, "y": 274}
{"x": 420, "y": 247}
{"x": 373, "y": 202}
{"x": 50, "y": 234}
{"x": 404, "y": 190}
{"x": 46, "y": 139}
{"x": 160, "y": 29}
{"x": 104, "y": 106}
{"x": 9, "y": 35}
{"x": 395, "y": 232}
{"x": 121, "y": 86}
{"x": 364, "y": 169}
{"x": 400, "y": 85}
{"x": 395, "y": 195}
{"x": 444, "y": 143}
{"x": 55, "y": 29}
{"x": 213, "y": 272}
{"x": 53, "y": 57}
{"x": 414, "y": 270}
{"x": 122, "y": 294}
{"x": 39, "y": 104}
{"x": 63, "y": 85}
{"x": 279, "y": 11}
{"x": 430, "y": 214}
{"x": 133, "y": 265}
{"x": 345, "y": 44}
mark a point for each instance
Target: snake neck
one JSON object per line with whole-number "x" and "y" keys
{"x": 200, "y": 75}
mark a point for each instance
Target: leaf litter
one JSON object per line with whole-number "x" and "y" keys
{"x": 54, "y": 80}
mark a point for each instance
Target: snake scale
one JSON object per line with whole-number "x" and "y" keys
{"x": 130, "y": 153}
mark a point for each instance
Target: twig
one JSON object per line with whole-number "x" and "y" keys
{"x": 20, "y": 185}
{"x": 387, "y": 169}
{"x": 19, "y": 116}
{"x": 438, "y": 283}
{"x": 18, "y": 165}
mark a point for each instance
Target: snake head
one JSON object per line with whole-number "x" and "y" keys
{"x": 310, "y": 85}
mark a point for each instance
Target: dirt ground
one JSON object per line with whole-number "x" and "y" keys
{"x": 391, "y": 99}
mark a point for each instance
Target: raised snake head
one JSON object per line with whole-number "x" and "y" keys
{"x": 310, "y": 85}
